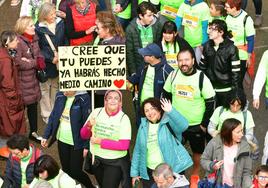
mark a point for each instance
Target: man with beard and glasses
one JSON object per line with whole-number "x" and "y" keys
{"x": 193, "y": 96}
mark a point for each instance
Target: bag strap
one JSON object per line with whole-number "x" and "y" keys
{"x": 172, "y": 132}
{"x": 245, "y": 113}
{"x": 244, "y": 24}
{"x": 50, "y": 43}
{"x": 201, "y": 81}
{"x": 221, "y": 111}
{"x": 60, "y": 175}
{"x": 174, "y": 76}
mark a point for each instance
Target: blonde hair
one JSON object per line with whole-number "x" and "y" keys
{"x": 22, "y": 23}
{"x": 44, "y": 11}
{"x": 108, "y": 21}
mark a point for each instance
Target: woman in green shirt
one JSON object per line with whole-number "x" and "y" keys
{"x": 172, "y": 43}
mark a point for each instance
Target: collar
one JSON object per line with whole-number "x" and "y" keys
{"x": 29, "y": 37}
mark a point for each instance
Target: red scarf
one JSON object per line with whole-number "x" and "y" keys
{"x": 29, "y": 37}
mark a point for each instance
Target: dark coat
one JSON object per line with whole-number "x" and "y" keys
{"x": 78, "y": 115}
{"x": 162, "y": 70}
{"x": 11, "y": 103}
{"x": 219, "y": 64}
{"x": 116, "y": 40}
{"x": 13, "y": 167}
{"x": 58, "y": 39}
{"x": 27, "y": 70}
{"x": 133, "y": 43}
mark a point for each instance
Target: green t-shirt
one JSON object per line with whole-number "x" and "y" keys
{"x": 154, "y": 155}
{"x": 236, "y": 25}
{"x": 192, "y": 17}
{"x": 211, "y": 18}
{"x": 186, "y": 95}
{"x": 171, "y": 53}
{"x": 146, "y": 34}
{"x": 23, "y": 165}
{"x": 114, "y": 128}
{"x": 34, "y": 7}
{"x": 148, "y": 85}
{"x": 218, "y": 118}
{"x": 64, "y": 133}
{"x": 169, "y": 8}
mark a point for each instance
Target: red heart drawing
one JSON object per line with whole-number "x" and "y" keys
{"x": 119, "y": 83}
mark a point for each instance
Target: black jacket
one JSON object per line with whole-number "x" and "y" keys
{"x": 222, "y": 66}
{"x": 58, "y": 39}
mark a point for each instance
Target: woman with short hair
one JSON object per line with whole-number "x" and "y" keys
{"x": 28, "y": 53}
{"x": 159, "y": 140}
{"x": 46, "y": 168}
{"x": 47, "y": 28}
{"x": 235, "y": 108}
{"x": 241, "y": 25}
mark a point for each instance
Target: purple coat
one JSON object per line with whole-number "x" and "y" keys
{"x": 27, "y": 70}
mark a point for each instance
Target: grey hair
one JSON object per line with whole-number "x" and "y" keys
{"x": 163, "y": 169}
{"x": 44, "y": 11}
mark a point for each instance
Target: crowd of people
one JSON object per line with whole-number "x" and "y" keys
{"x": 187, "y": 65}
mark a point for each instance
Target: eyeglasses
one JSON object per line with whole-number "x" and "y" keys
{"x": 213, "y": 28}
{"x": 263, "y": 177}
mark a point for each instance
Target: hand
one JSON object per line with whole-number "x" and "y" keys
{"x": 134, "y": 179}
{"x": 130, "y": 86}
{"x": 117, "y": 8}
{"x": 218, "y": 165}
{"x": 61, "y": 14}
{"x": 91, "y": 29}
{"x": 85, "y": 151}
{"x": 55, "y": 59}
{"x": 95, "y": 140}
{"x": 44, "y": 143}
{"x": 204, "y": 129}
{"x": 215, "y": 133}
{"x": 256, "y": 103}
{"x": 26, "y": 186}
{"x": 166, "y": 105}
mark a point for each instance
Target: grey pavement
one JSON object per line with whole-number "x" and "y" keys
{"x": 8, "y": 16}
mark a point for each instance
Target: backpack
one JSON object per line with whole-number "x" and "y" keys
{"x": 254, "y": 144}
